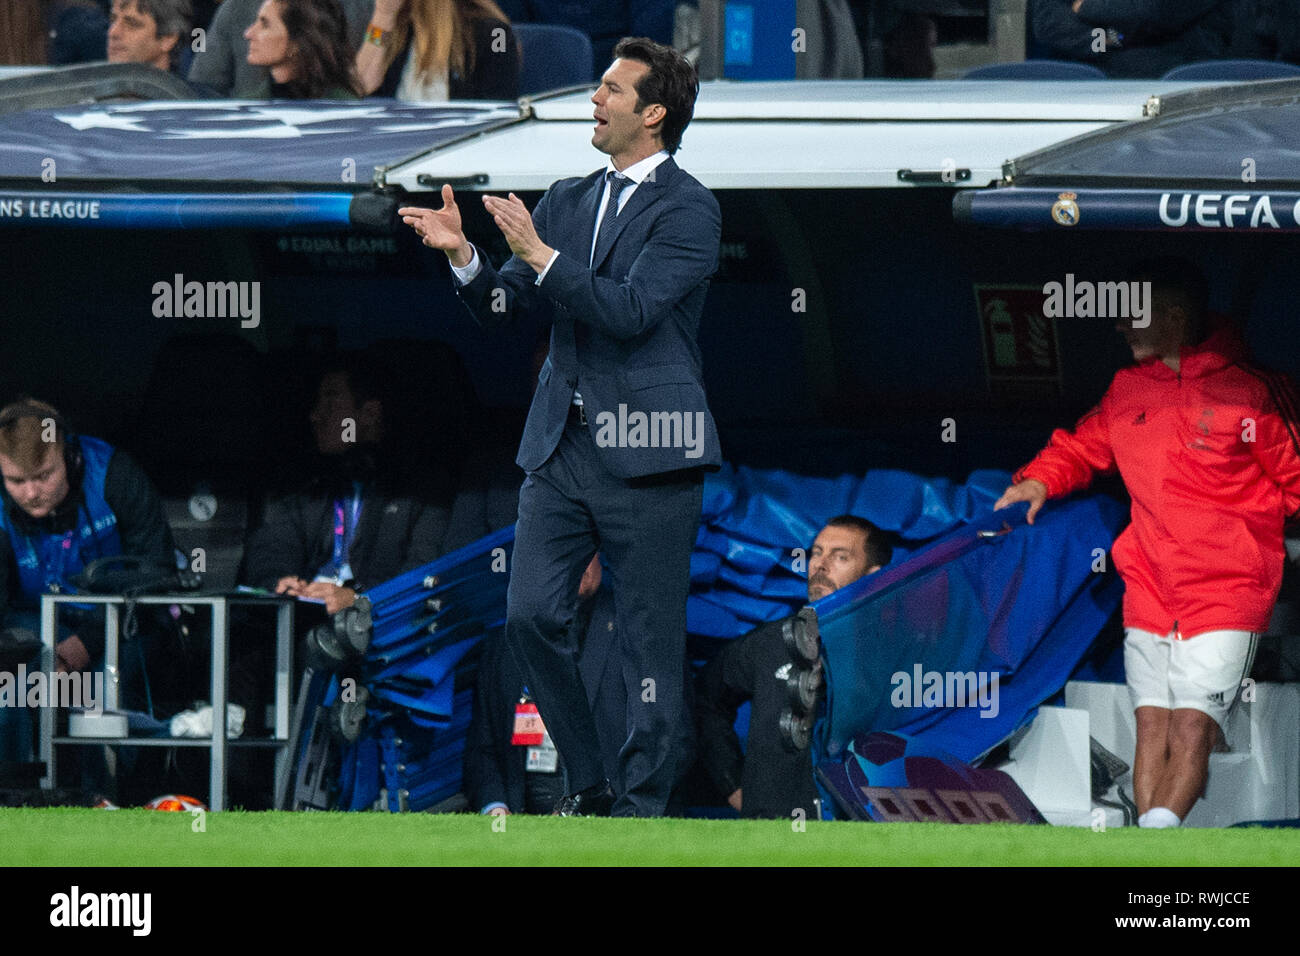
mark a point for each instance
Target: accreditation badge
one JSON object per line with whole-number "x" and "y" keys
{"x": 543, "y": 758}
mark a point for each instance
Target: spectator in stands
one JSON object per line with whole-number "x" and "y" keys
{"x": 153, "y": 32}
{"x": 606, "y": 23}
{"x": 363, "y": 519}
{"x": 772, "y": 779}
{"x": 1128, "y": 38}
{"x": 1209, "y": 450}
{"x": 437, "y": 50}
{"x": 304, "y": 46}
{"x": 53, "y": 33}
{"x": 222, "y": 65}
{"x": 505, "y": 770}
{"x": 67, "y": 500}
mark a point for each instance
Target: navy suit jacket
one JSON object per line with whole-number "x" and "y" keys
{"x": 624, "y": 330}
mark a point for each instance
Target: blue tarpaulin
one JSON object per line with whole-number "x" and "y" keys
{"x": 750, "y": 560}
{"x": 960, "y": 643}
{"x": 214, "y": 163}
{"x": 324, "y": 143}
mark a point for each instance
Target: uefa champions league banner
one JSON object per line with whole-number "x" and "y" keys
{"x": 1221, "y": 209}
{"x": 280, "y": 210}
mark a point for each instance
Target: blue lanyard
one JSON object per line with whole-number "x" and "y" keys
{"x": 55, "y": 559}
{"x": 345, "y": 529}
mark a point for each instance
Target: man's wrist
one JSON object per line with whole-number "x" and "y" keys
{"x": 540, "y": 258}
{"x": 462, "y": 257}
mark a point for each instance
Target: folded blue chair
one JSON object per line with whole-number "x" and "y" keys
{"x": 425, "y": 628}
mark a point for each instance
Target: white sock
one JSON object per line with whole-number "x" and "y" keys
{"x": 1158, "y": 818}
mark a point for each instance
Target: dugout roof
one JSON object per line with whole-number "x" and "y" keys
{"x": 1213, "y": 159}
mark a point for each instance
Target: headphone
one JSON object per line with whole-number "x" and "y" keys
{"x": 73, "y": 460}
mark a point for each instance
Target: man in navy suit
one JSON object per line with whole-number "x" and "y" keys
{"x": 619, "y": 432}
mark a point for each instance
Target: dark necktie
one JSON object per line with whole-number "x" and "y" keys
{"x": 617, "y": 183}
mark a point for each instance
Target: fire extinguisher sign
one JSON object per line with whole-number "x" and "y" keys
{"x": 1020, "y": 347}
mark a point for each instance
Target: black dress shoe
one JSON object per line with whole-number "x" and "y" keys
{"x": 595, "y": 801}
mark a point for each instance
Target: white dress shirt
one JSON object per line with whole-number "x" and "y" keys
{"x": 638, "y": 172}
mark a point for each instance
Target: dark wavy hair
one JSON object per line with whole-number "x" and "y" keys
{"x": 878, "y": 544}
{"x": 325, "y": 58}
{"x": 671, "y": 82}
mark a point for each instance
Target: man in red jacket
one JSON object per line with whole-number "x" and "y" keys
{"x": 1207, "y": 448}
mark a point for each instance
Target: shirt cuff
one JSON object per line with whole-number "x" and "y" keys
{"x": 549, "y": 262}
{"x": 492, "y": 806}
{"x": 465, "y": 274}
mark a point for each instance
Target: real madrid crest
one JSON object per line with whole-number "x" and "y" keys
{"x": 1065, "y": 211}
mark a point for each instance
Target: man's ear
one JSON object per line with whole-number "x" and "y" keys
{"x": 175, "y": 38}
{"x": 654, "y": 115}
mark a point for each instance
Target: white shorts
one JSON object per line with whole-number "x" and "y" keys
{"x": 1201, "y": 673}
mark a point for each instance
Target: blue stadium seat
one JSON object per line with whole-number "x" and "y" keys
{"x": 554, "y": 57}
{"x": 1233, "y": 70}
{"x": 1035, "y": 70}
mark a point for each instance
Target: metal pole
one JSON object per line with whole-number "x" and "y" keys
{"x": 220, "y": 646}
{"x": 49, "y": 616}
{"x": 283, "y": 682}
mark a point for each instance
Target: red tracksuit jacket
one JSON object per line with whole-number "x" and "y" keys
{"x": 1211, "y": 459}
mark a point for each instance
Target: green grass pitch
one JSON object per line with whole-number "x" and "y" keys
{"x": 74, "y": 837}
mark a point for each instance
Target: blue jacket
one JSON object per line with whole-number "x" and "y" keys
{"x": 78, "y": 34}
{"x": 624, "y": 330}
{"x": 47, "y": 560}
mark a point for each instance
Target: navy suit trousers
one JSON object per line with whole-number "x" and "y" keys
{"x": 645, "y": 528}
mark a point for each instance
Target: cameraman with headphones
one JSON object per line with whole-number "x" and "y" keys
{"x": 68, "y": 500}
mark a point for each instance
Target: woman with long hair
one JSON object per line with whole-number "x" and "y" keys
{"x": 304, "y": 44}
{"x": 435, "y": 50}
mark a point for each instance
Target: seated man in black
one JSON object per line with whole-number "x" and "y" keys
{"x": 362, "y": 519}
{"x": 67, "y": 500}
{"x": 771, "y": 779}
{"x": 511, "y": 766}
